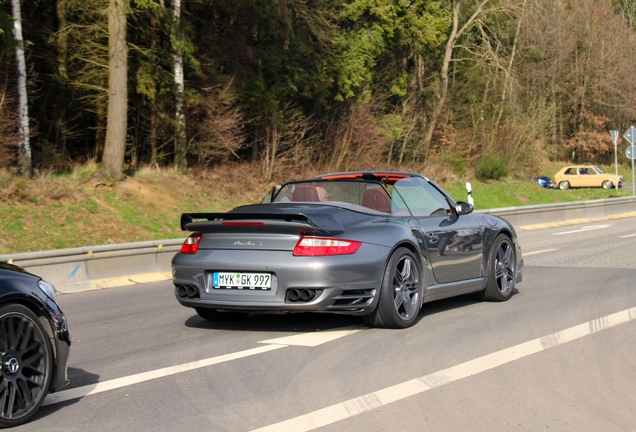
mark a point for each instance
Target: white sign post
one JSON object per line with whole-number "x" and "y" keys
{"x": 614, "y": 134}
{"x": 630, "y": 136}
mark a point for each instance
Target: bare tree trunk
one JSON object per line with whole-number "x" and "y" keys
{"x": 341, "y": 150}
{"x": 152, "y": 136}
{"x": 180, "y": 142}
{"x": 115, "y": 147}
{"x": 412, "y": 123}
{"x": 154, "y": 114}
{"x": 24, "y": 160}
{"x": 62, "y": 66}
{"x": 510, "y": 64}
{"x": 271, "y": 148}
{"x": 456, "y": 33}
{"x": 100, "y": 130}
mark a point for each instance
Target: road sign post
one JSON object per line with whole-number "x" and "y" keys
{"x": 614, "y": 134}
{"x": 469, "y": 189}
{"x": 630, "y": 136}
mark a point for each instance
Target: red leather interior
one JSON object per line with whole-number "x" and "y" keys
{"x": 376, "y": 199}
{"x": 305, "y": 193}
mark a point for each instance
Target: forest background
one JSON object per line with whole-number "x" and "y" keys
{"x": 273, "y": 88}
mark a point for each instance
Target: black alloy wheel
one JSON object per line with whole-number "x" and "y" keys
{"x": 400, "y": 295}
{"x": 25, "y": 372}
{"x": 502, "y": 273}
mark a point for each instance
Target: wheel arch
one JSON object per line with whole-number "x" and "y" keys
{"x": 30, "y": 303}
{"x": 415, "y": 250}
{"x": 407, "y": 244}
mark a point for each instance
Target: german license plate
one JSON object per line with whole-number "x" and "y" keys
{"x": 242, "y": 281}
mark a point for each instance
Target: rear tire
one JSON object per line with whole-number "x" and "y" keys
{"x": 26, "y": 364}
{"x": 400, "y": 293}
{"x": 215, "y": 315}
{"x": 607, "y": 184}
{"x": 564, "y": 185}
{"x": 502, "y": 270}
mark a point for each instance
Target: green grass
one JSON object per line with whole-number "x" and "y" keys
{"x": 515, "y": 193}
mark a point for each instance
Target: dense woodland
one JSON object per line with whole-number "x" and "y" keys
{"x": 493, "y": 85}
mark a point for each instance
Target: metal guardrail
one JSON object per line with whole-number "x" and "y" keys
{"x": 549, "y": 215}
{"x": 91, "y": 267}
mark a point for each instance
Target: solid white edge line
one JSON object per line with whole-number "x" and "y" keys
{"x": 627, "y": 236}
{"x": 374, "y": 400}
{"x": 525, "y": 254}
{"x": 113, "y": 384}
{"x": 313, "y": 339}
{"x": 584, "y": 229}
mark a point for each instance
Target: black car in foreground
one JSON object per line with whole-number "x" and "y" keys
{"x": 34, "y": 344}
{"x": 374, "y": 244}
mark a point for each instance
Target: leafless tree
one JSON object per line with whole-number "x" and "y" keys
{"x": 24, "y": 160}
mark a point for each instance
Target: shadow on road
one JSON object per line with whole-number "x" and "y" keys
{"x": 311, "y": 321}
{"x": 77, "y": 378}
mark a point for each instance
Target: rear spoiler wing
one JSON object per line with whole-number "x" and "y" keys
{"x": 213, "y": 222}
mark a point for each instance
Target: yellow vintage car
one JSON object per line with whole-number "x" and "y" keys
{"x": 586, "y": 176}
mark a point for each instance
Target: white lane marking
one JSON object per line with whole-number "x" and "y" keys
{"x": 525, "y": 254}
{"x": 312, "y": 339}
{"x": 371, "y": 401}
{"x": 316, "y": 338}
{"x": 113, "y": 384}
{"x": 584, "y": 229}
{"x": 628, "y": 236}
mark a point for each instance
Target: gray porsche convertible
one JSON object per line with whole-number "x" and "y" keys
{"x": 374, "y": 244}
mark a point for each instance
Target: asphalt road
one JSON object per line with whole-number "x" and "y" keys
{"x": 560, "y": 355}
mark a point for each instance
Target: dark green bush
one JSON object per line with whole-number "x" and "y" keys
{"x": 491, "y": 168}
{"x": 455, "y": 161}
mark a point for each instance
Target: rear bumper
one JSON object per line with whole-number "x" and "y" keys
{"x": 345, "y": 283}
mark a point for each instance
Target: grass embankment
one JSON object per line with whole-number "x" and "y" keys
{"x": 54, "y": 211}
{"x": 61, "y": 211}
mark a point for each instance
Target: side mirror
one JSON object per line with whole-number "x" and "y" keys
{"x": 464, "y": 208}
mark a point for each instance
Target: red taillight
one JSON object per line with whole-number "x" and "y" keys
{"x": 320, "y": 246}
{"x": 242, "y": 223}
{"x": 191, "y": 244}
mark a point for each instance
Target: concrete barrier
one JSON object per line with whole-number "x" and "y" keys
{"x": 93, "y": 267}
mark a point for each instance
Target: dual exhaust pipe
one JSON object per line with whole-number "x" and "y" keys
{"x": 189, "y": 291}
{"x": 302, "y": 295}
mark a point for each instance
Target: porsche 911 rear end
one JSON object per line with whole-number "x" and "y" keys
{"x": 236, "y": 263}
